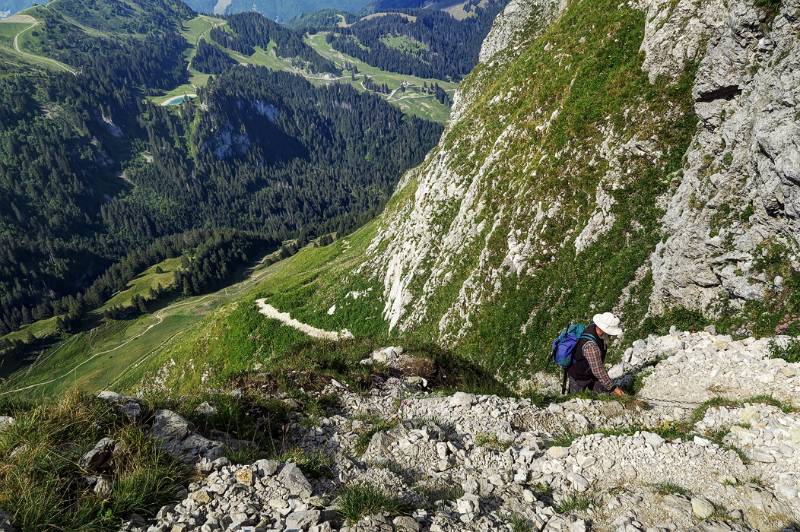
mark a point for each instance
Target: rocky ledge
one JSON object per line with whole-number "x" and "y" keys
{"x": 675, "y": 461}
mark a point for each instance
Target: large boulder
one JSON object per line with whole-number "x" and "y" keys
{"x": 178, "y": 437}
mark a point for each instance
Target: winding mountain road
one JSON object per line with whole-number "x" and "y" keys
{"x": 39, "y": 58}
{"x": 159, "y": 316}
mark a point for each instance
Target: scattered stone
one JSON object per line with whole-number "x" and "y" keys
{"x": 405, "y": 523}
{"x": 205, "y": 409}
{"x": 5, "y": 422}
{"x": 177, "y": 436}
{"x": 244, "y": 476}
{"x": 462, "y": 400}
{"x": 294, "y": 480}
{"x": 103, "y": 487}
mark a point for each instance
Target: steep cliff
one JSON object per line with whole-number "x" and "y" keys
{"x": 641, "y": 157}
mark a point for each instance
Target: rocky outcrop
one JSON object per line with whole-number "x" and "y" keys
{"x": 178, "y": 437}
{"x": 493, "y": 207}
{"x": 475, "y": 462}
{"x": 510, "y": 26}
{"x": 699, "y": 366}
{"x": 738, "y": 194}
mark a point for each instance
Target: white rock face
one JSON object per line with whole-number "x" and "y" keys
{"x": 738, "y": 193}
{"x": 509, "y": 26}
{"x": 769, "y": 437}
{"x": 696, "y": 367}
{"x": 740, "y": 188}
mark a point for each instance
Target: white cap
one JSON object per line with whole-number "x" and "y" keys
{"x": 608, "y": 323}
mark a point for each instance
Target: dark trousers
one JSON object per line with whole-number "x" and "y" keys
{"x": 592, "y": 385}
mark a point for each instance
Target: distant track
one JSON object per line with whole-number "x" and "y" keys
{"x": 29, "y": 55}
{"x": 159, "y": 320}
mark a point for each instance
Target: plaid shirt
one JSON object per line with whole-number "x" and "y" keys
{"x": 595, "y": 359}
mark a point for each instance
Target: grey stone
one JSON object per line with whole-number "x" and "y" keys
{"x": 5, "y": 422}
{"x": 103, "y": 487}
{"x": 405, "y": 523}
{"x": 557, "y": 452}
{"x": 294, "y": 480}
{"x": 653, "y": 439}
{"x": 462, "y": 400}
{"x": 98, "y": 456}
{"x": 266, "y": 468}
{"x": 702, "y": 507}
{"x": 178, "y": 438}
{"x": 302, "y": 520}
{"x": 205, "y": 409}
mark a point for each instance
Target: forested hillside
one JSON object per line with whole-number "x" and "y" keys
{"x": 428, "y": 43}
{"x": 279, "y": 10}
{"x": 245, "y": 31}
{"x": 91, "y": 172}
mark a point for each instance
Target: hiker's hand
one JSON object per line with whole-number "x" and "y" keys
{"x": 618, "y": 392}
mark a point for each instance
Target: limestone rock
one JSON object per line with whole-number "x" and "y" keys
{"x": 294, "y": 480}
{"x": 98, "y": 456}
{"x": 702, "y": 508}
{"x": 178, "y": 437}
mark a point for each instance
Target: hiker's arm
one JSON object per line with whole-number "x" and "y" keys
{"x": 595, "y": 359}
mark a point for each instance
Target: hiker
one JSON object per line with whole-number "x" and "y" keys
{"x": 587, "y": 371}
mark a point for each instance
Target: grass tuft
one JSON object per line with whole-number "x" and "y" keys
{"x": 668, "y": 488}
{"x": 491, "y": 441}
{"x": 575, "y": 502}
{"x": 359, "y": 500}
{"x": 41, "y": 484}
{"x": 315, "y": 464}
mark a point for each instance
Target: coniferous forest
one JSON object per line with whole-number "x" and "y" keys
{"x": 428, "y": 43}
{"x": 97, "y": 182}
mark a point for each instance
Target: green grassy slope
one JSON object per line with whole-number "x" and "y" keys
{"x": 604, "y": 79}
{"x": 567, "y": 92}
{"x": 15, "y": 34}
{"x": 120, "y": 354}
{"x": 205, "y": 341}
{"x": 603, "y": 87}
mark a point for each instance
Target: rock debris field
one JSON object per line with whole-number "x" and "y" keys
{"x": 472, "y": 462}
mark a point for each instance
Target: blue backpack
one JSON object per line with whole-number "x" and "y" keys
{"x": 564, "y": 345}
{"x": 564, "y": 348}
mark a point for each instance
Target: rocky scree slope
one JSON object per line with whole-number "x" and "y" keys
{"x": 477, "y": 462}
{"x": 640, "y": 156}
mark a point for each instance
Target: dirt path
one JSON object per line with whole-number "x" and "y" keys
{"x": 271, "y": 312}
{"x": 159, "y": 319}
{"x": 35, "y": 57}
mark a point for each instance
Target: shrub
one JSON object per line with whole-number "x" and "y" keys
{"x": 790, "y": 352}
